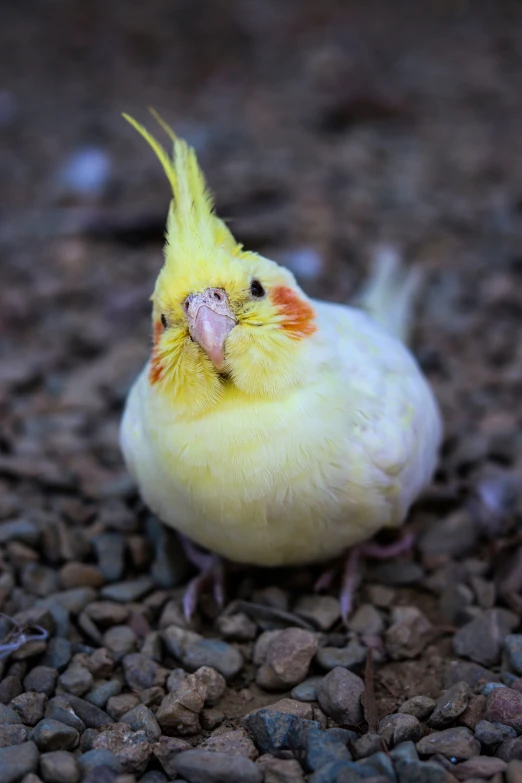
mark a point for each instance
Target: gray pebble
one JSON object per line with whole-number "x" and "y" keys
{"x": 30, "y": 707}
{"x": 74, "y": 600}
{"x": 273, "y": 731}
{"x": 408, "y": 634}
{"x": 179, "y": 711}
{"x": 131, "y": 748}
{"x": 60, "y": 616}
{"x": 367, "y": 620}
{"x": 8, "y": 716}
{"x": 58, "y": 654}
{"x": 306, "y": 690}
{"x": 214, "y": 683}
{"x": 479, "y": 767}
{"x": 58, "y": 709}
{"x": 510, "y": 749}
{"x": 455, "y": 536}
{"x": 237, "y": 627}
{"x": 120, "y": 640}
{"x": 166, "y": 751}
{"x": 322, "y": 749}
{"x": 456, "y": 743}
{"x": 367, "y": 745}
{"x": 489, "y": 687}
{"x": 92, "y": 716}
{"x": 141, "y": 718}
{"x": 339, "y": 696}
{"x": 39, "y": 579}
{"x": 22, "y": 530}
{"x": 482, "y": 639}
{"x": 200, "y": 766}
{"x": 489, "y": 733}
{"x": 415, "y": 771}
{"x": 110, "y": 548}
{"x": 286, "y": 659}
{"x": 467, "y": 671}
{"x": 195, "y": 651}
{"x": 513, "y": 648}
{"x": 404, "y": 750}
{"x": 350, "y": 656}
{"x": 59, "y": 767}
{"x": 322, "y": 610}
{"x": 119, "y": 705}
{"x": 396, "y": 573}
{"x": 12, "y": 734}
{"x": 104, "y": 774}
{"x": 154, "y": 776}
{"x": 17, "y": 761}
{"x": 398, "y": 728}
{"x": 382, "y": 764}
{"x": 99, "y": 758}
{"x": 10, "y": 687}
{"x": 100, "y": 695}
{"x": 450, "y": 705}
{"x": 127, "y": 592}
{"x": 41, "y": 679}
{"x": 170, "y": 564}
{"x": 107, "y": 613}
{"x": 50, "y": 734}
{"x": 418, "y": 706}
{"x": 76, "y": 679}
{"x": 141, "y": 672}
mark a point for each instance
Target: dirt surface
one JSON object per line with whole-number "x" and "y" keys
{"x": 326, "y": 135}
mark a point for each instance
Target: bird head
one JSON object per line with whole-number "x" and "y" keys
{"x": 223, "y": 317}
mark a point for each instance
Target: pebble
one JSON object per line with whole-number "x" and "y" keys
{"x": 474, "y": 712}
{"x": 200, "y": 766}
{"x": 510, "y": 749}
{"x": 107, "y": 612}
{"x": 85, "y": 173}
{"x": 19, "y": 530}
{"x": 74, "y": 601}
{"x": 76, "y": 679}
{"x": 97, "y": 758}
{"x": 489, "y": 733}
{"x": 90, "y": 714}
{"x": 280, "y": 770}
{"x": 504, "y": 705}
{"x": 415, "y": 771}
{"x": 237, "y": 627}
{"x": 50, "y": 734}
{"x": 339, "y": 696}
{"x": 12, "y": 734}
{"x": 195, "y": 651}
{"x": 420, "y": 707}
{"x": 466, "y": 671}
{"x": 41, "y": 679}
{"x": 513, "y": 648}
{"x": 398, "y": 728}
{"x": 367, "y": 745}
{"x": 129, "y": 591}
{"x": 17, "y": 761}
{"x": 454, "y": 536}
{"x": 141, "y": 672}
{"x": 214, "y": 682}
{"x": 58, "y": 654}
{"x": 456, "y": 743}
{"x": 450, "y": 705}
{"x": 396, "y": 573}
{"x": 235, "y": 743}
{"x": 408, "y": 634}
{"x": 179, "y": 711}
{"x": 322, "y": 610}
{"x": 287, "y": 658}
{"x": 210, "y": 719}
{"x": 306, "y": 690}
{"x": 274, "y": 731}
{"x": 10, "y": 687}
{"x": 514, "y": 771}
{"x": 479, "y": 767}
{"x": 367, "y": 620}
{"x": 170, "y": 565}
{"x": 120, "y": 640}
{"x": 322, "y": 749}
{"x": 29, "y": 706}
{"x": 140, "y": 718}
{"x": 109, "y": 549}
{"x": 482, "y": 639}
{"x": 293, "y": 707}
{"x": 39, "y": 579}
{"x": 131, "y": 748}
{"x": 117, "y": 706}
{"x": 100, "y": 695}
{"x": 382, "y": 764}
{"x": 58, "y": 766}
{"x": 74, "y": 574}
{"x": 8, "y": 716}
{"x": 404, "y": 750}
{"x": 349, "y": 657}
{"x": 59, "y": 709}
{"x": 166, "y": 750}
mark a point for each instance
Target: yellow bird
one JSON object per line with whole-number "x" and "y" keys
{"x": 267, "y": 427}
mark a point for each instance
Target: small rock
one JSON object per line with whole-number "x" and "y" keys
{"x": 101, "y": 694}
{"x": 454, "y": 603}
{"x": 482, "y": 638}
{"x": 514, "y": 771}
{"x": 59, "y": 767}
{"x": 39, "y": 579}
{"x": 117, "y": 706}
{"x": 382, "y": 764}
{"x": 10, "y": 688}
{"x": 234, "y": 743}
{"x": 510, "y": 749}
{"x": 41, "y": 679}
{"x": 398, "y": 728}
{"x": 30, "y": 707}
{"x": 415, "y": 771}
{"x": 200, "y": 766}
{"x": 474, "y": 712}
{"x": 140, "y": 718}
{"x": 456, "y": 743}
{"x": 195, "y": 651}
{"x": 322, "y": 749}
{"x": 152, "y": 646}
{"x": 450, "y": 705}
{"x": 80, "y": 575}
{"x": 12, "y": 734}
{"x": 409, "y": 633}
{"x": 107, "y": 613}
{"x": 142, "y": 672}
{"x": 420, "y": 707}
{"x": 404, "y": 751}
{"x": 479, "y": 767}
{"x": 339, "y": 696}
{"x": 466, "y": 671}
{"x": 19, "y": 530}
{"x": 455, "y": 536}
{"x": 306, "y": 690}
{"x": 489, "y": 733}
{"x": 274, "y": 731}
{"x": 280, "y": 770}
{"x": 76, "y": 679}
{"x": 350, "y": 656}
{"x": 131, "y": 748}
{"x": 322, "y": 610}
{"x": 166, "y": 750}
{"x": 96, "y": 759}
{"x": 292, "y": 707}
{"x": 110, "y": 548}
{"x": 367, "y": 745}
{"x": 367, "y": 621}
{"x": 504, "y": 705}
{"x": 214, "y": 682}
{"x": 85, "y": 173}
{"x": 152, "y": 697}
{"x": 179, "y": 711}
{"x": 127, "y": 592}
{"x": 17, "y": 761}
{"x": 8, "y": 716}
{"x": 237, "y": 627}
{"x": 210, "y": 719}
{"x": 74, "y": 601}
{"x": 287, "y": 659}
{"x": 513, "y": 648}
{"x": 50, "y": 734}
{"x": 59, "y": 709}
{"x": 396, "y": 573}
{"x": 120, "y": 640}
{"x": 58, "y": 654}
{"x": 92, "y": 716}
{"x": 381, "y": 595}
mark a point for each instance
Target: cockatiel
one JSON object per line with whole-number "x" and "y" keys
{"x": 267, "y": 427}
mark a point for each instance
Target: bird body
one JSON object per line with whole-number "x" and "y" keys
{"x": 267, "y": 427}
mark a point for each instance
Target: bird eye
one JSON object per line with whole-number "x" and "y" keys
{"x": 256, "y": 289}
{"x": 164, "y": 321}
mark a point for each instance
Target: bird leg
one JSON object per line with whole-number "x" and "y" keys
{"x": 351, "y": 575}
{"x": 211, "y": 574}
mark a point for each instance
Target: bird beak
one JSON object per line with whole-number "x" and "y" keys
{"x": 210, "y": 320}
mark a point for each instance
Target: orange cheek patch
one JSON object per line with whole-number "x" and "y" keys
{"x": 298, "y": 316}
{"x": 156, "y": 366}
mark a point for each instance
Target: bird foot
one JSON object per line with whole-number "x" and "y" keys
{"x": 211, "y": 574}
{"x": 351, "y": 575}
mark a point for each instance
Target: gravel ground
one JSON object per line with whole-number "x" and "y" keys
{"x": 328, "y": 136}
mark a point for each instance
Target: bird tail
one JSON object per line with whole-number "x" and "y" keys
{"x": 390, "y": 294}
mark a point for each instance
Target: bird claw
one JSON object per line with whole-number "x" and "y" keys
{"x": 211, "y": 574}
